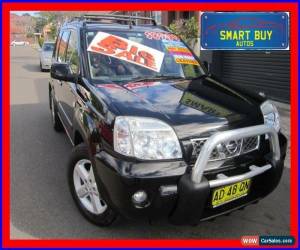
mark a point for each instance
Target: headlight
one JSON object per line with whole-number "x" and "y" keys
{"x": 271, "y": 115}
{"x": 145, "y": 138}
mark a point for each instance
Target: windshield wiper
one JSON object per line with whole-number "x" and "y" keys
{"x": 197, "y": 77}
{"x": 159, "y": 77}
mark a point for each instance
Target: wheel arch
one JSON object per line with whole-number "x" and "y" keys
{"x": 83, "y": 127}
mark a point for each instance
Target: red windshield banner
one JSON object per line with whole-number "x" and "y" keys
{"x": 127, "y": 50}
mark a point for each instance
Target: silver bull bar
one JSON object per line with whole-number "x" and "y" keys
{"x": 235, "y": 134}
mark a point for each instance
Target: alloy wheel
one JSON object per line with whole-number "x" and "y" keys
{"x": 86, "y": 188}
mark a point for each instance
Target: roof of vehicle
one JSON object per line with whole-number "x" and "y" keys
{"x": 125, "y": 27}
{"x": 115, "y": 22}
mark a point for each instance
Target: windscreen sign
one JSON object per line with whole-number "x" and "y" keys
{"x": 127, "y": 50}
{"x": 244, "y": 30}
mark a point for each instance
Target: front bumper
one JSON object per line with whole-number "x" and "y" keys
{"x": 176, "y": 191}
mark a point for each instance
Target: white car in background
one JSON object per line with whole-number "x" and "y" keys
{"x": 46, "y": 55}
{"x": 19, "y": 43}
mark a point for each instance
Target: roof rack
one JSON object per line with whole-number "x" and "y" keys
{"x": 97, "y": 18}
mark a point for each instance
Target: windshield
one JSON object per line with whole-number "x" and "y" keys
{"x": 48, "y": 47}
{"x": 123, "y": 56}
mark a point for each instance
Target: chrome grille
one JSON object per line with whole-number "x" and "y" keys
{"x": 228, "y": 149}
{"x": 250, "y": 144}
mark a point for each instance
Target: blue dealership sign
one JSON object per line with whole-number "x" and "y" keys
{"x": 245, "y": 30}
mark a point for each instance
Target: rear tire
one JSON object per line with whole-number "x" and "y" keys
{"x": 85, "y": 190}
{"x": 57, "y": 125}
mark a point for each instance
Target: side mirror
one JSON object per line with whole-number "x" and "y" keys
{"x": 62, "y": 71}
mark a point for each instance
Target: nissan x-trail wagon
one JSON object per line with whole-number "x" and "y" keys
{"x": 154, "y": 134}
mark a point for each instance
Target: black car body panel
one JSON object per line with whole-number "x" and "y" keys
{"x": 193, "y": 108}
{"x": 120, "y": 180}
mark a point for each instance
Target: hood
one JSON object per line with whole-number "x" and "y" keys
{"x": 193, "y": 108}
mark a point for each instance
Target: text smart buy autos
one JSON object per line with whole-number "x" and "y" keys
{"x": 154, "y": 134}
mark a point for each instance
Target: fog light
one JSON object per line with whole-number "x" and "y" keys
{"x": 140, "y": 199}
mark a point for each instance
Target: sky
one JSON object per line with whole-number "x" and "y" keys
{"x": 20, "y": 13}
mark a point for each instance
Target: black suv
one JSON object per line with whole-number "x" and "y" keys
{"x": 153, "y": 133}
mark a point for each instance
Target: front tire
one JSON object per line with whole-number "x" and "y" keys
{"x": 85, "y": 190}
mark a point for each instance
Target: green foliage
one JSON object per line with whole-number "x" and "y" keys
{"x": 40, "y": 22}
{"x": 54, "y": 19}
{"x": 53, "y": 32}
{"x": 187, "y": 30}
{"x": 49, "y": 16}
{"x": 29, "y": 35}
{"x": 44, "y": 18}
{"x": 41, "y": 41}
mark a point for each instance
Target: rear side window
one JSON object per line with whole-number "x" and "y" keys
{"x": 61, "y": 57}
{"x": 72, "y": 52}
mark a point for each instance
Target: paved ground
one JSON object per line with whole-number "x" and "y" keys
{"x": 41, "y": 205}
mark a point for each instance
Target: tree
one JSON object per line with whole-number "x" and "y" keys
{"x": 41, "y": 41}
{"x": 40, "y": 22}
{"x": 53, "y": 20}
{"x": 53, "y": 31}
{"x": 29, "y": 35}
{"x": 187, "y": 30}
{"x": 49, "y": 16}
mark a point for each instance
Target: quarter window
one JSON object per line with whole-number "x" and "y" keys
{"x": 72, "y": 53}
{"x": 63, "y": 46}
{"x": 57, "y": 46}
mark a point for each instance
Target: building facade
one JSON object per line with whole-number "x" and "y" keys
{"x": 267, "y": 72}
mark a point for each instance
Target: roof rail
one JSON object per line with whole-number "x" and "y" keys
{"x": 95, "y": 18}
